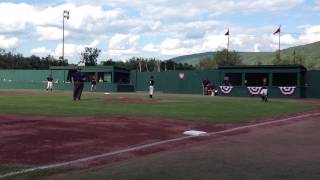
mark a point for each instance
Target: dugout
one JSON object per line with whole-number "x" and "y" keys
{"x": 180, "y": 81}
{"x": 282, "y": 80}
{"x": 109, "y": 78}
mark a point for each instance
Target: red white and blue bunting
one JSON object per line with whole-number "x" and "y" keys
{"x": 287, "y": 90}
{"x": 254, "y": 91}
{"x": 226, "y": 89}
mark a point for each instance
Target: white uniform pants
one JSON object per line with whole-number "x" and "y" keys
{"x": 151, "y": 89}
{"x": 264, "y": 92}
{"x": 49, "y": 86}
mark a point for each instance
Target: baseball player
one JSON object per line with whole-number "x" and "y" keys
{"x": 49, "y": 82}
{"x": 78, "y": 82}
{"x": 264, "y": 90}
{"x": 151, "y": 86}
{"x": 93, "y": 84}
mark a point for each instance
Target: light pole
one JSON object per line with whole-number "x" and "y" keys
{"x": 65, "y": 16}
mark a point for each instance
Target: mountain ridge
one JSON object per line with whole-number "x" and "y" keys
{"x": 311, "y": 53}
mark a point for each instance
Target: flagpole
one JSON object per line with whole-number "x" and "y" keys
{"x": 228, "y": 46}
{"x": 63, "y": 35}
{"x": 279, "y": 42}
{"x": 228, "y": 41}
{"x": 228, "y": 34}
{"x": 278, "y": 31}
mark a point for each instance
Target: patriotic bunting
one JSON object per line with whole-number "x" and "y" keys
{"x": 254, "y": 91}
{"x": 226, "y": 89}
{"x": 287, "y": 90}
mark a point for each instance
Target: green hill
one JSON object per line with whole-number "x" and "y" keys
{"x": 311, "y": 53}
{"x": 192, "y": 58}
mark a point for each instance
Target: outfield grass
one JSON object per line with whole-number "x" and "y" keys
{"x": 185, "y": 107}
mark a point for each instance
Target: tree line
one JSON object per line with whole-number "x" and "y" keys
{"x": 90, "y": 55}
{"x": 10, "y": 60}
{"x": 90, "y": 58}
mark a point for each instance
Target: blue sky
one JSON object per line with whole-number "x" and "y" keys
{"x": 155, "y": 28}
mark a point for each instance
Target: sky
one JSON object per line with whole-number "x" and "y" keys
{"x": 159, "y": 29}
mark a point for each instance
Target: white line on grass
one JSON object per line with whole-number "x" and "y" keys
{"x": 151, "y": 145}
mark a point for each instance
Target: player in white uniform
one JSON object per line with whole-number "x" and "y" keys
{"x": 151, "y": 86}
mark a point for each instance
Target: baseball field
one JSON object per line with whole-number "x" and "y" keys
{"x": 121, "y": 136}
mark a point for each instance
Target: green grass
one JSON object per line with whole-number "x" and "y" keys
{"x": 8, "y": 169}
{"x": 185, "y": 107}
{"x": 34, "y": 175}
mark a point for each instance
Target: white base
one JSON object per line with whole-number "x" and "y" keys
{"x": 194, "y": 133}
{"x": 106, "y": 93}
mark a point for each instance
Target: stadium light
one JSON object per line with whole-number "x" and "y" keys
{"x": 66, "y": 15}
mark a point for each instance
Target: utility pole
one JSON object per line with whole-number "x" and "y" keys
{"x": 66, "y": 15}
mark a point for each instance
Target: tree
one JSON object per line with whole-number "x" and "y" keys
{"x": 207, "y": 63}
{"x": 108, "y": 62}
{"x": 9, "y": 60}
{"x": 288, "y": 59}
{"x": 227, "y": 58}
{"x": 89, "y": 56}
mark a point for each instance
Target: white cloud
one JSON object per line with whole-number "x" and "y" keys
{"x": 213, "y": 42}
{"x": 257, "y": 47}
{"x": 169, "y": 44}
{"x": 287, "y": 39}
{"x": 310, "y": 34}
{"x": 8, "y": 42}
{"x": 94, "y": 43}
{"x": 191, "y": 9}
{"x": 14, "y": 17}
{"x": 41, "y": 51}
{"x": 50, "y": 33}
{"x": 150, "y": 48}
{"x": 122, "y": 46}
{"x": 122, "y": 52}
{"x": 85, "y": 18}
{"x": 81, "y": 17}
{"x": 72, "y": 51}
{"x": 123, "y": 41}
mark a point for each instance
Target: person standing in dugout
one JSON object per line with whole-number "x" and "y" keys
{"x": 264, "y": 90}
{"x": 49, "y": 82}
{"x": 151, "y": 86}
{"x": 78, "y": 83}
{"x": 93, "y": 84}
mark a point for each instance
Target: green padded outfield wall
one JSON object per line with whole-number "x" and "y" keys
{"x": 27, "y": 79}
{"x": 313, "y": 84}
{"x": 36, "y": 79}
{"x": 29, "y": 75}
{"x": 173, "y": 82}
{"x": 167, "y": 82}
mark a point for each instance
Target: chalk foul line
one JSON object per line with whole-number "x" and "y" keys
{"x": 57, "y": 165}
